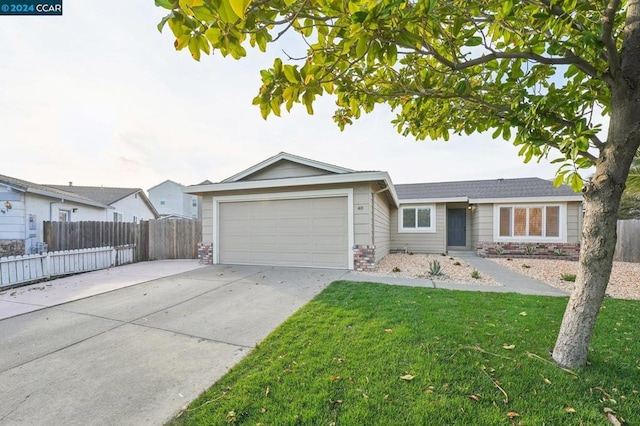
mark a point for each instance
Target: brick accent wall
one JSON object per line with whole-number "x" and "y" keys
{"x": 562, "y": 251}
{"x": 205, "y": 254}
{"x": 364, "y": 258}
{"x": 11, "y": 248}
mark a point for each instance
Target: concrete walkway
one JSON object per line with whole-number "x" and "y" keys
{"x": 38, "y": 296}
{"x": 509, "y": 281}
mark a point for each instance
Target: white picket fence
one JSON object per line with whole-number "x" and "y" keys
{"x": 16, "y": 270}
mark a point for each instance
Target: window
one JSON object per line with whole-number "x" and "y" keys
{"x": 162, "y": 202}
{"x": 117, "y": 217}
{"x": 194, "y": 202}
{"x": 529, "y": 222}
{"x": 417, "y": 219}
{"x": 63, "y": 215}
{"x": 135, "y": 219}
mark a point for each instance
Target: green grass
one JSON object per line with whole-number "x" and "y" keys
{"x": 474, "y": 358}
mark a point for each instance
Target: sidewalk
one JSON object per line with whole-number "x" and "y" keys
{"x": 18, "y": 301}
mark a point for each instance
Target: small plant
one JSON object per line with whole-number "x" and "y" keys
{"x": 568, "y": 277}
{"x": 395, "y": 269}
{"x": 525, "y": 266}
{"x": 443, "y": 254}
{"x": 559, "y": 252}
{"x": 435, "y": 269}
{"x": 529, "y": 250}
{"x": 476, "y": 274}
{"x": 499, "y": 250}
{"x": 456, "y": 263}
{"x": 509, "y": 259}
{"x": 451, "y": 258}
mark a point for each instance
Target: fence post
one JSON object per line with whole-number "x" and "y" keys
{"x": 46, "y": 265}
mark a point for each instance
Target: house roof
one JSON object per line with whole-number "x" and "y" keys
{"x": 49, "y": 191}
{"x": 289, "y": 157}
{"x": 166, "y": 181}
{"x": 476, "y": 190}
{"x": 106, "y": 195}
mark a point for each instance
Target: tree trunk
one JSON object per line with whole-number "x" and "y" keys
{"x": 602, "y": 198}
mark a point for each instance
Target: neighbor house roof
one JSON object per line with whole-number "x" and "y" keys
{"x": 484, "y": 190}
{"x": 49, "y": 191}
{"x": 166, "y": 181}
{"x": 106, "y": 195}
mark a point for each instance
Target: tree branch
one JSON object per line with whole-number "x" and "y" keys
{"x": 607, "y": 39}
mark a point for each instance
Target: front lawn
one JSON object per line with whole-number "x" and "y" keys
{"x": 372, "y": 354}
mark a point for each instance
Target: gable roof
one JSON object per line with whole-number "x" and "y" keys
{"x": 289, "y": 157}
{"x": 48, "y": 191}
{"x": 166, "y": 181}
{"x": 107, "y": 195}
{"x": 483, "y": 190}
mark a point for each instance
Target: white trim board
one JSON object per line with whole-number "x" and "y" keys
{"x": 329, "y": 193}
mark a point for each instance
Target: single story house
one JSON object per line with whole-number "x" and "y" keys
{"x": 289, "y": 210}
{"x": 25, "y": 205}
{"x": 126, "y": 204}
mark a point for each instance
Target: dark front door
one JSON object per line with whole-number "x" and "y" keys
{"x": 457, "y": 227}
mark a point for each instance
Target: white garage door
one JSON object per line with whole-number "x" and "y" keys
{"x": 299, "y": 232}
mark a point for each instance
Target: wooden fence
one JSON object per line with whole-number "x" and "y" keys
{"x": 628, "y": 244}
{"x": 15, "y": 270}
{"x": 153, "y": 239}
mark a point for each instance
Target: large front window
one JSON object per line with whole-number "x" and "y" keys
{"x": 417, "y": 219}
{"x": 529, "y": 222}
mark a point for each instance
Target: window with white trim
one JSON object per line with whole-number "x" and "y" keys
{"x": 529, "y": 222}
{"x": 417, "y": 219}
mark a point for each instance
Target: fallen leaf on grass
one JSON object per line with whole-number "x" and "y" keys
{"x": 508, "y": 347}
{"x": 407, "y": 377}
{"x": 523, "y": 314}
{"x": 608, "y": 410}
{"x": 512, "y": 414}
{"x": 334, "y": 378}
{"x": 388, "y": 330}
{"x": 266, "y": 392}
{"x": 613, "y": 420}
{"x": 569, "y": 409}
{"x": 474, "y": 397}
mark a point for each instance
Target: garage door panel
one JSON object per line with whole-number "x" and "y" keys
{"x": 297, "y": 232}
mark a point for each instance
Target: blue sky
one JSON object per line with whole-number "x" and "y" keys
{"x": 99, "y": 97}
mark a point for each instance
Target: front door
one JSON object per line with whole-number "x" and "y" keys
{"x": 457, "y": 227}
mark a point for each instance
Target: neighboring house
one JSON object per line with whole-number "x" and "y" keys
{"x": 25, "y": 205}
{"x": 169, "y": 198}
{"x": 127, "y": 204}
{"x": 289, "y": 210}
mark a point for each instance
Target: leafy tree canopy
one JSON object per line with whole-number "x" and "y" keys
{"x": 539, "y": 68}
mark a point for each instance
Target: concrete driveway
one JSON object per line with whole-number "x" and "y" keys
{"x": 138, "y": 354}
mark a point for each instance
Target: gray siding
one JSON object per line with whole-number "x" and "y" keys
{"x": 285, "y": 169}
{"x": 381, "y": 226}
{"x": 362, "y": 224}
{"x": 207, "y": 219}
{"x": 421, "y": 242}
{"x": 574, "y": 216}
{"x": 481, "y": 223}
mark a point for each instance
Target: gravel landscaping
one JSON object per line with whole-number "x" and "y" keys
{"x": 624, "y": 282}
{"x": 454, "y": 270}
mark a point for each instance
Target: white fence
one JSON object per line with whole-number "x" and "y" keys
{"x": 16, "y": 270}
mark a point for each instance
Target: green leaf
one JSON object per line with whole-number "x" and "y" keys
{"x": 194, "y": 48}
{"x": 239, "y": 6}
{"x": 359, "y": 17}
{"x": 473, "y": 41}
{"x": 167, "y": 4}
{"x": 291, "y": 73}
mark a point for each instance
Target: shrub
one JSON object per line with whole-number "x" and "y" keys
{"x": 559, "y": 252}
{"x": 499, "y": 250}
{"x": 476, "y": 274}
{"x": 568, "y": 277}
{"x": 395, "y": 269}
{"x": 529, "y": 250}
{"x": 435, "y": 268}
{"x": 456, "y": 263}
{"x": 525, "y": 266}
